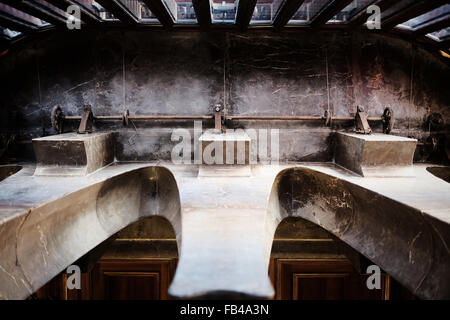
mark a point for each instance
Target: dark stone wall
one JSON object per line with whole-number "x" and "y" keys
{"x": 186, "y": 72}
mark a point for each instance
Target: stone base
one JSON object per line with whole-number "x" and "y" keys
{"x": 375, "y": 155}
{"x": 224, "y": 171}
{"x": 73, "y": 154}
{"x": 229, "y": 148}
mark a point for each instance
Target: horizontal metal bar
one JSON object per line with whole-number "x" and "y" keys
{"x": 275, "y": 117}
{"x": 296, "y": 118}
{"x": 240, "y": 117}
{"x": 168, "y": 117}
{"x": 143, "y": 117}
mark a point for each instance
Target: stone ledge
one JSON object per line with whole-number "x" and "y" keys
{"x": 375, "y": 155}
{"x": 72, "y": 154}
{"x": 229, "y": 148}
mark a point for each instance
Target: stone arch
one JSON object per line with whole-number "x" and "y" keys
{"x": 54, "y": 235}
{"x": 408, "y": 244}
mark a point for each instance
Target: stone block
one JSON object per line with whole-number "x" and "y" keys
{"x": 375, "y": 155}
{"x": 72, "y": 154}
{"x": 225, "y": 148}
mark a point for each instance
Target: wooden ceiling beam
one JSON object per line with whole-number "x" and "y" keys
{"x": 36, "y": 10}
{"x": 285, "y": 13}
{"x": 161, "y": 12}
{"x": 245, "y": 13}
{"x": 16, "y": 24}
{"x": 203, "y": 13}
{"x": 412, "y": 11}
{"x": 433, "y": 26}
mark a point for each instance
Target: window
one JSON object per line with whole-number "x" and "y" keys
{"x": 265, "y": 11}
{"x": 8, "y": 33}
{"x": 351, "y": 10}
{"x": 223, "y": 11}
{"x": 441, "y": 35}
{"x": 307, "y": 11}
{"x": 182, "y": 10}
{"x": 429, "y": 17}
{"x": 140, "y": 11}
{"x": 96, "y": 9}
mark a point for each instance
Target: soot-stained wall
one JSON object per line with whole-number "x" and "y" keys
{"x": 187, "y": 72}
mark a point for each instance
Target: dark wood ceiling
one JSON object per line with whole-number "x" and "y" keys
{"x": 21, "y": 17}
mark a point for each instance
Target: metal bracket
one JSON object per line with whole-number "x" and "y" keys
{"x": 125, "y": 116}
{"x": 57, "y": 118}
{"x": 361, "y": 124}
{"x": 218, "y": 118}
{"x": 87, "y": 120}
{"x": 327, "y": 116}
{"x": 388, "y": 120}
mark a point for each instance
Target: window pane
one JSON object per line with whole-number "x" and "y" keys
{"x": 440, "y": 35}
{"x": 307, "y": 11}
{"x": 96, "y": 9}
{"x": 14, "y": 13}
{"x": 223, "y": 11}
{"x": 426, "y": 18}
{"x": 182, "y": 10}
{"x": 351, "y": 10}
{"x": 8, "y": 33}
{"x": 265, "y": 11}
{"x": 147, "y": 15}
{"x": 140, "y": 11}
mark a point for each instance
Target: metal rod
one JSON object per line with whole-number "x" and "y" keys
{"x": 275, "y": 117}
{"x": 141, "y": 117}
{"x": 241, "y": 117}
{"x": 156, "y": 117}
{"x": 297, "y": 118}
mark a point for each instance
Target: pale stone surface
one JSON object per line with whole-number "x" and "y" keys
{"x": 376, "y": 155}
{"x": 72, "y": 154}
{"x": 225, "y": 225}
{"x": 228, "y": 148}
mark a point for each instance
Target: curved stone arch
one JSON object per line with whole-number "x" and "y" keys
{"x": 52, "y": 236}
{"x": 408, "y": 244}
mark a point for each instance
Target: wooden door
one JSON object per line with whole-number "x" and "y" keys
{"x": 321, "y": 279}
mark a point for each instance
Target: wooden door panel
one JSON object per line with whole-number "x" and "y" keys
{"x": 321, "y": 279}
{"x": 326, "y": 286}
{"x": 132, "y": 285}
{"x": 146, "y": 279}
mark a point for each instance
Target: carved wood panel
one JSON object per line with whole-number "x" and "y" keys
{"x": 322, "y": 279}
{"x": 136, "y": 279}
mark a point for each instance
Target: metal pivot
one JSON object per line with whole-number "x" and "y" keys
{"x": 125, "y": 115}
{"x": 57, "y": 118}
{"x": 87, "y": 120}
{"x": 327, "y": 117}
{"x": 218, "y": 118}
{"x": 388, "y": 120}
{"x": 361, "y": 124}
